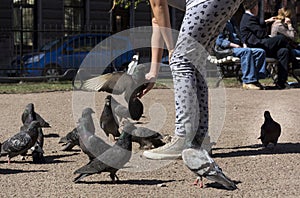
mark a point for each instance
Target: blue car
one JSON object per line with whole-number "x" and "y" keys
{"x": 67, "y": 54}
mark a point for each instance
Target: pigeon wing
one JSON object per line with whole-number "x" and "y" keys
{"x": 16, "y": 144}
{"x": 199, "y": 161}
{"x": 115, "y": 83}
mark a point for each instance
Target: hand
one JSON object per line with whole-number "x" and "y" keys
{"x": 151, "y": 78}
{"x": 272, "y": 19}
{"x": 287, "y": 20}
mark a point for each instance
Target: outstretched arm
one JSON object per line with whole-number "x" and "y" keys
{"x": 161, "y": 32}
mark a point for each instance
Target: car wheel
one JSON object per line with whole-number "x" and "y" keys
{"x": 53, "y": 71}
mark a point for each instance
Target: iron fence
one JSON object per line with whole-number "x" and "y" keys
{"x": 53, "y": 52}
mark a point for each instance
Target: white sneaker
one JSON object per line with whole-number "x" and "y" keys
{"x": 169, "y": 151}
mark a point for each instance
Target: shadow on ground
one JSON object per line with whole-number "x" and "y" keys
{"x": 147, "y": 182}
{"x": 257, "y": 149}
{"x": 16, "y": 171}
{"x": 55, "y": 158}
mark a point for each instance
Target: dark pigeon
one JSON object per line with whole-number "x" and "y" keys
{"x": 20, "y": 142}
{"x": 270, "y": 130}
{"x": 147, "y": 138}
{"x": 72, "y": 138}
{"x": 108, "y": 121}
{"x": 199, "y": 161}
{"x": 112, "y": 159}
{"x": 118, "y": 83}
{"x": 27, "y": 117}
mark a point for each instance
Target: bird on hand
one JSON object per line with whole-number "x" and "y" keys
{"x": 118, "y": 83}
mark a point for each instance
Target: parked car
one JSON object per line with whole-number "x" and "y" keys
{"x": 64, "y": 55}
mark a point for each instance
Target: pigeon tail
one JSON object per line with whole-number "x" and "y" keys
{"x": 63, "y": 140}
{"x": 80, "y": 177}
{"x": 222, "y": 179}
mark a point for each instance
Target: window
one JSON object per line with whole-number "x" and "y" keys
{"x": 23, "y": 21}
{"x": 74, "y": 14}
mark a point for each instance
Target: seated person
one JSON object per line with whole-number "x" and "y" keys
{"x": 255, "y": 34}
{"x": 283, "y": 25}
{"x": 253, "y": 62}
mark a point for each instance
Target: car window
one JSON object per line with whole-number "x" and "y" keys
{"x": 86, "y": 43}
{"x": 51, "y": 45}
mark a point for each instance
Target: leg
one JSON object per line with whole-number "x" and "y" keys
{"x": 247, "y": 64}
{"x": 283, "y": 58}
{"x": 199, "y": 29}
{"x": 259, "y": 56}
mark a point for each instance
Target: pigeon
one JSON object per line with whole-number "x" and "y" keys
{"x": 20, "y": 142}
{"x": 27, "y": 117}
{"x": 121, "y": 82}
{"x": 199, "y": 161}
{"x": 132, "y": 65}
{"x": 270, "y": 130}
{"x": 72, "y": 138}
{"x": 119, "y": 111}
{"x": 89, "y": 143}
{"x": 134, "y": 111}
{"x": 147, "y": 138}
{"x": 112, "y": 159}
{"x": 107, "y": 120}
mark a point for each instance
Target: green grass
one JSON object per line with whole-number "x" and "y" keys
{"x": 34, "y": 87}
{"x": 38, "y": 87}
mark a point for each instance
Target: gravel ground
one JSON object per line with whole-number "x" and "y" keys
{"x": 258, "y": 172}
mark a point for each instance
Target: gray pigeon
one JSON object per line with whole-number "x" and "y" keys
{"x": 118, "y": 83}
{"x": 89, "y": 143}
{"x": 20, "y": 142}
{"x": 112, "y": 159}
{"x": 270, "y": 130}
{"x": 72, "y": 138}
{"x": 134, "y": 111}
{"x": 199, "y": 161}
{"x": 147, "y": 138}
{"x": 108, "y": 121}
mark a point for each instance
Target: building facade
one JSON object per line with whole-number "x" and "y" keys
{"x": 27, "y": 24}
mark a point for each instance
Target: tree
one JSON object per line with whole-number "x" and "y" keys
{"x": 128, "y": 3}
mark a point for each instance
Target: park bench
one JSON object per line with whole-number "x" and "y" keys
{"x": 231, "y": 67}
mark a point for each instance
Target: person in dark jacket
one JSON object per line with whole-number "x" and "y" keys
{"x": 254, "y": 34}
{"x": 253, "y": 60}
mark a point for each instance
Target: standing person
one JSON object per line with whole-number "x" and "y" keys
{"x": 255, "y": 34}
{"x": 203, "y": 20}
{"x": 253, "y": 60}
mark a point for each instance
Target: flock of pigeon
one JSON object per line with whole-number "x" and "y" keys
{"x": 104, "y": 157}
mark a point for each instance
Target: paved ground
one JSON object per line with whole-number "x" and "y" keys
{"x": 259, "y": 173}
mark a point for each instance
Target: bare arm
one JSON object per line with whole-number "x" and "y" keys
{"x": 161, "y": 32}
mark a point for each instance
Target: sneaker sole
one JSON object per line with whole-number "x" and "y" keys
{"x": 156, "y": 156}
